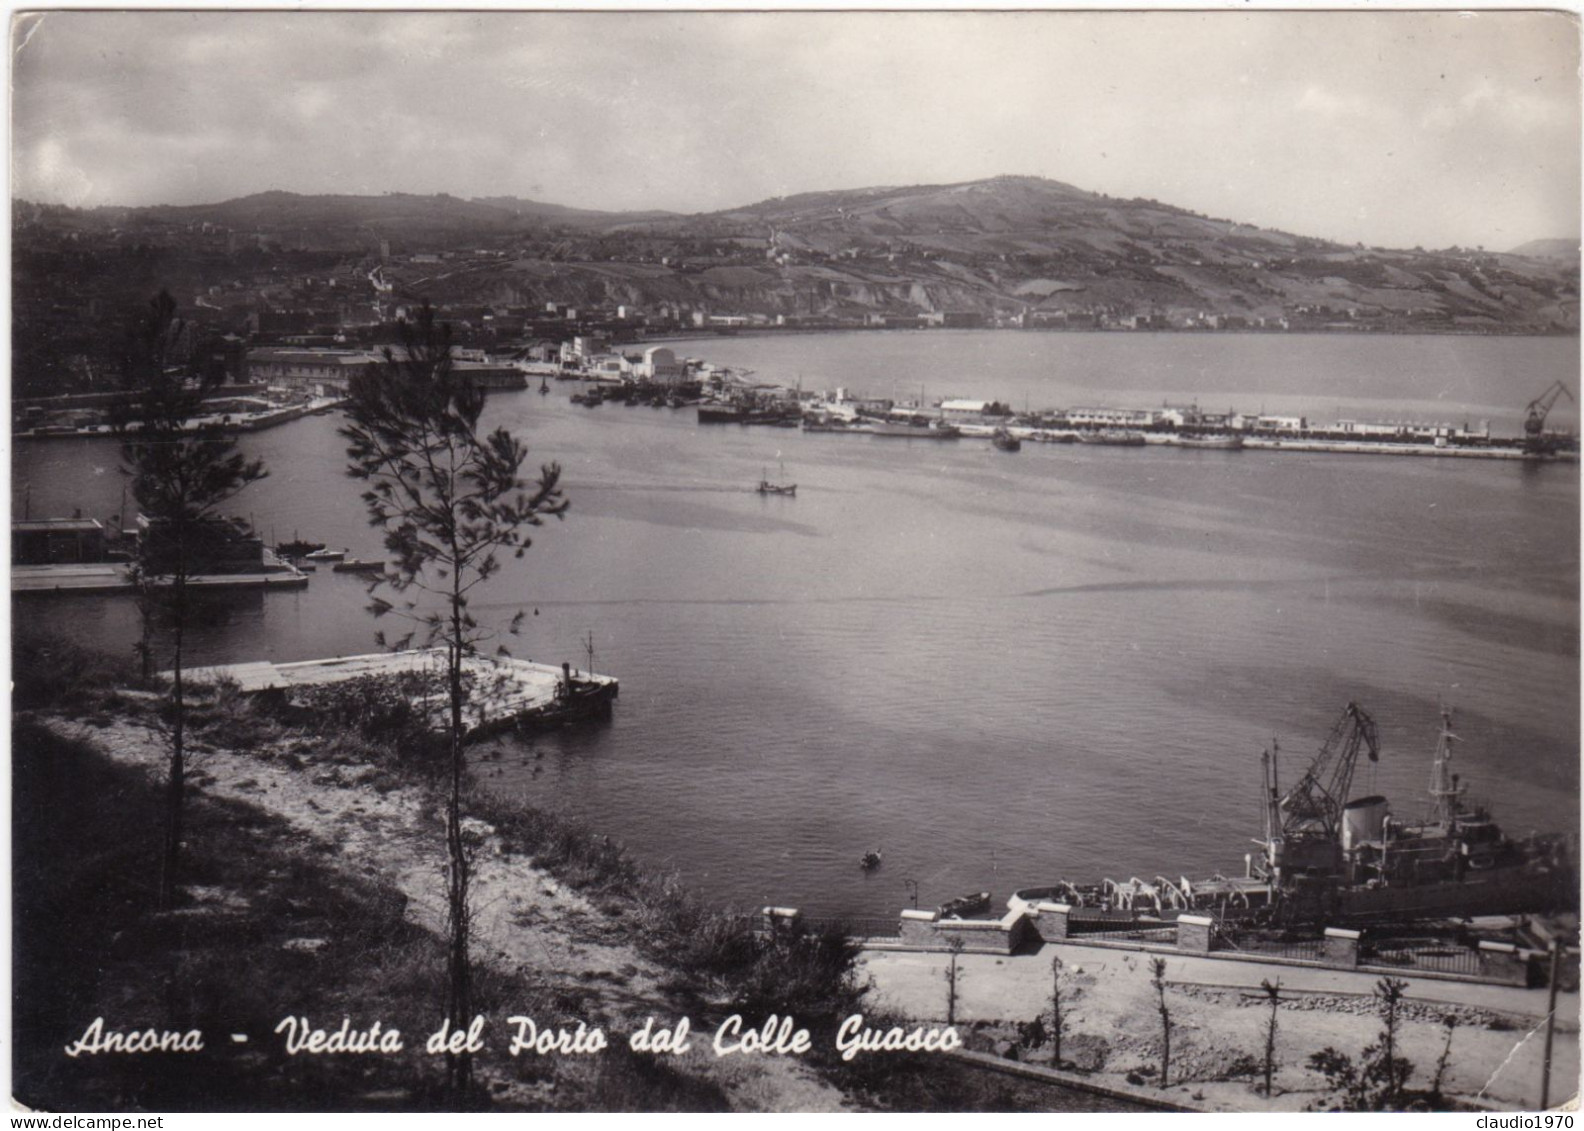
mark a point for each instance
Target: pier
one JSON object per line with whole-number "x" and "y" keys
{"x": 505, "y": 691}
{"x": 230, "y": 422}
{"x": 77, "y": 578}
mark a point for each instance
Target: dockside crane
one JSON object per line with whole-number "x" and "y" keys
{"x": 1303, "y": 825}
{"x": 1535, "y": 441}
{"x": 1312, "y": 809}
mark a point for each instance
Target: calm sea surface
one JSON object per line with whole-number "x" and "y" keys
{"x": 1000, "y": 669}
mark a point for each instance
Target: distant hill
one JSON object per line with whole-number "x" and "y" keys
{"x": 396, "y": 213}
{"x": 1020, "y": 247}
{"x": 560, "y": 213}
{"x": 1549, "y": 249}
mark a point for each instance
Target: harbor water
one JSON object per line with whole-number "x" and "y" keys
{"x": 997, "y": 669}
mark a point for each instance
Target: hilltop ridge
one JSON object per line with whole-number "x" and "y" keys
{"x": 1013, "y": 249}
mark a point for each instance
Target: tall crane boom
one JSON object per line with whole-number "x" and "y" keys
{"x": 1313, "y": 807}
{"x": 1536, "y": 412}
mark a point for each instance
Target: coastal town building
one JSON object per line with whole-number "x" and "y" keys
{"x": 971, "y": 411}
{"x": 210, "y": 546}
{"x": 659, "y": 363}
{"x": 1110, "y": 417}
{"x": 320, "y": 372}
{"x": 609, "y": 366}
{"x": 57, "y": 541}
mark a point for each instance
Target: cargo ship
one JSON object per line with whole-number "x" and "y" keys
{"x": 1327, "y": 858}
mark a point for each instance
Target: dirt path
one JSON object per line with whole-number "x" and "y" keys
{"x": 524, "y": 919}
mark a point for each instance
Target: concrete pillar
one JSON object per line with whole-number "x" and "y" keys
{"x": 1052, "y": 920}
{"x": 920, "y": 926}
{"x": 1194, "y": 933}
{"x": 1506, "y": 962}
{"x": 1340, "y": 947}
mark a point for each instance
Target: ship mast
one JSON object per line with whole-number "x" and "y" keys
{"x": 1445, "y": 792}
{"x": 1270, "y": 794}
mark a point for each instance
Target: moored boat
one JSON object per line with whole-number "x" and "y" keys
{"x": 721, "y": 414}
{"x": 298, "y": 547}
{"x": 1113, "y": 436}
{"x": 1211, "y": 442}
{"x": 1004, "y": 441}
{"x": 357, "y": 565}
{"x": 325, "y": 555}
{"x": 914, "y": 430}
{"x": 1328, "y": 859}
{"x": 965, "y": 905}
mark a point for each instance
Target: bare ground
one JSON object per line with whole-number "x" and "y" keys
{"x": 526, "y": 922}
{"x": 1113, "y": 1026}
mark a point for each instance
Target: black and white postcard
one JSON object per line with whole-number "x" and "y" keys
{"x": 794, "y": 561}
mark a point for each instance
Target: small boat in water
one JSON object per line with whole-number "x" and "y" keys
{"x": 1211, "y": 442}
{"x": 544, "y": 386}
{"x": 356, "y": 565}
{"x": 1112, "y": 436}
{"x": 965, "y": 905}
{"x": 1004, "y": 441}
{"x": 869, "y": 861}
{"x": 768, "y": 488}
{"x": 298, "y": 547}
{"x": 324, "y": 555}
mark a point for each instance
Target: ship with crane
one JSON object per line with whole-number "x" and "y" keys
{"x": 1537, "y": 441}
{"x": 1326, "y": 857}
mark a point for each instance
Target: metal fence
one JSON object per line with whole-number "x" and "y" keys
{"x": 1408, "y": 958}
{"x": 1109, "y": 930}
{"x": 1269, "y": 946}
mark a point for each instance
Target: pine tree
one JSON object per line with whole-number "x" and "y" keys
{"x": 449, "y": 500}
{"x": 182, "y": 469}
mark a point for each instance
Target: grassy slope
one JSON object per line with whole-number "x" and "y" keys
{"x": 281, "y": 921}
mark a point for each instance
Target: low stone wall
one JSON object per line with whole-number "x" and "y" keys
{"x": 1051, "y": 920}
{"x": 918, "y": 927}
{"x": 978, "y": 936}
{"x": 1510, "y": 965}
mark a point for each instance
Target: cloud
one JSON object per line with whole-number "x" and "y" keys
{"x": 1330, "y": 104}
{"x": 1386, "y": 127}
{"x": 63, "y": 179}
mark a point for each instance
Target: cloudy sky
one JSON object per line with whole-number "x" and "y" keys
{"x": 1390, "y": 128}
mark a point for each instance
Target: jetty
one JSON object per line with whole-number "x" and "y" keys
{"x": 77, "y": 578}
{"x": 503, "y": 692}
{"x": 255, "y": 418}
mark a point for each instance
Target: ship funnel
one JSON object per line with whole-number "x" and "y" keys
{"x": 1363, "y": 820}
